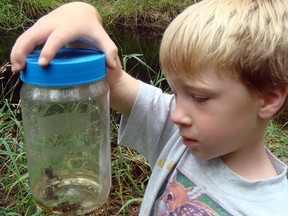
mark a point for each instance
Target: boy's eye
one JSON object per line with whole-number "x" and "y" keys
{"x": 199, "y": 98}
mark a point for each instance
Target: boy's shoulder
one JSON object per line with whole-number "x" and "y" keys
{"x": 210, "y": 186}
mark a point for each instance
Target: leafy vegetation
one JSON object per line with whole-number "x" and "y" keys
{"x": 18, "y": 14}
{"x": 277, "y": 138}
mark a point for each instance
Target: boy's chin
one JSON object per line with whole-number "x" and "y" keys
{"x": 203, "y": 156}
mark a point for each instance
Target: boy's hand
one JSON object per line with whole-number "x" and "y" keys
{"x": 77, "y": 22}
{"x": 70, "y": 22}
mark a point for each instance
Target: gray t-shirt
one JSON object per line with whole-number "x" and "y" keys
{"x": 180, "y": 183}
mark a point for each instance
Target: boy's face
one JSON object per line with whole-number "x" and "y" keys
{"x": 216, "y": 115}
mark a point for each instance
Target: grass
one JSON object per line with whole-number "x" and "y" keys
{"x": 277, "y": 139}
{"x": 18, "y": 14}
{"x": 14, "y": 175}
{"x": 141, "y": 13}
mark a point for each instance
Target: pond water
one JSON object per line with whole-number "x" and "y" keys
{"x": 128, "y": 42}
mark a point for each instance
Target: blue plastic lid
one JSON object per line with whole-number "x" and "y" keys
{"x": 70, "y": 66}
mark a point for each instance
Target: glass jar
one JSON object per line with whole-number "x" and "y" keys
{"x": 66, "y": 121}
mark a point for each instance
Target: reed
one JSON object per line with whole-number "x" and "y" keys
{"x": 18, "y": 14}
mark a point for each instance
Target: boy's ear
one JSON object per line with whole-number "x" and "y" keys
{"x": 272, "y": 102}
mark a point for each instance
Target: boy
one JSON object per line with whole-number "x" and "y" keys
{"x": 226, "y": 61}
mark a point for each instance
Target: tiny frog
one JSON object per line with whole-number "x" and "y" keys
{"x": 49, "y": 193}
{"x": 66, "y": 207}
{"x": 49, "y": 173}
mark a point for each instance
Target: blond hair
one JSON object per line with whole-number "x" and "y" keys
{"x": 247, "y": 37}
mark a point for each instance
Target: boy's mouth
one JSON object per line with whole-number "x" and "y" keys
{"x": 189, "y": 142}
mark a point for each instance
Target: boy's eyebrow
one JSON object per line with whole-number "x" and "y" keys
{"x": 196, "y": 90}
{"x": 197, "y": 86}
{"x": 200, "y": 87}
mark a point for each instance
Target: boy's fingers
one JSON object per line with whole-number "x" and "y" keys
{"x": 55, "y": 41}
{"x": 57, "y": 38}
{"x": 23, "y": 46}
{"x": 18, "y": 55}
{"x": 111, "y": 56}
{"x": 107, "y": 46}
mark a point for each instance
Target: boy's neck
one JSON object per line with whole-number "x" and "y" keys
{"x": 251, "y": 164}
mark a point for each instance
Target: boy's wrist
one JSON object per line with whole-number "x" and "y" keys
{"x": 123, "y": 93}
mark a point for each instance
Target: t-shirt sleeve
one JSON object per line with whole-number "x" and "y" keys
{"x": 148, "y": 126}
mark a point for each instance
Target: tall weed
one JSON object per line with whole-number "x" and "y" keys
{"x": 18, "y": 14}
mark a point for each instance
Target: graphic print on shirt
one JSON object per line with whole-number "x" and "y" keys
{"x": 181, "y": 197}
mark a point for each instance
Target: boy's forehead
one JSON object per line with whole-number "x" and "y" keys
{"x": 205, "y": 77}
{"x": 199, "y": 73}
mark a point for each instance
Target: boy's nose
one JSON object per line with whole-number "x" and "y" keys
{"x": 180, "y": 116}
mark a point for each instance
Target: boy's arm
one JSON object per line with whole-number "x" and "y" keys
{"x": 72, "y": 22}
{"x": 123, "y": 90}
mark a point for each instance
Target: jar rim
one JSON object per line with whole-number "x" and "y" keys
{"x": 70, "y": 66}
